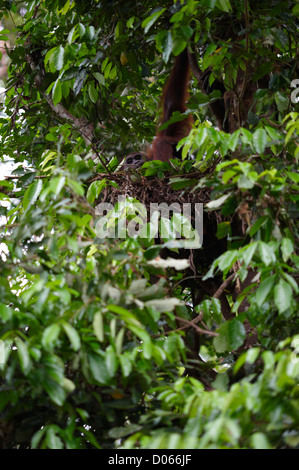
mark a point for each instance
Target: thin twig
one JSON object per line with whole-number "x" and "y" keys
{"x": 223, "y": 286}
{"x": 192, "y": 324}
{"x": 10, "y": 177}
{"x": 247, "y": 50}
{"x": 81, "y": 125}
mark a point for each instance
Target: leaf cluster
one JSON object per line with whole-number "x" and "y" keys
{"x": 102, "y": 343}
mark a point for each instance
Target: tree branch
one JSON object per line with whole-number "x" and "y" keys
{"x": 223, "y": 286}
{"x": 82, "y": 125}
{"x": 192, "y": 324}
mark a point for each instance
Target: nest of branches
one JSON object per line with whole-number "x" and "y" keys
{"x": 171, "y": 190}
{"x": 153, "y": 189}
{"x": 176, "y": 189}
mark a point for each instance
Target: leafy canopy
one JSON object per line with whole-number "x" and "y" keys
{"x": 97, "y": 340}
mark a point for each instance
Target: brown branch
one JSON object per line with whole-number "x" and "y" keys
{"x": 192, "y": 324}
{"x": 223, "y": 286}
{"x": 247, "y": 50}
{"x": 11, "y": 177}
{"x": 195, "y": 68}
{"x": 84, "y": 127}
{"x": 216, "y": 106}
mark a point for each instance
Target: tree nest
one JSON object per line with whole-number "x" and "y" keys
{"x": 160, "y": 190}
{"x": 153, "y": 190}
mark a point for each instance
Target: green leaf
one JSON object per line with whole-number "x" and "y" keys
{"x": 260, "y": 139}
{"x": 179, "y": 45}
{"x": 73, "y": 34}
{"x": 180, "y": 183}
{"x": 57, "y": 92}
{"x": 24, "y": 357}
{"x": 145, "y": 338}
{"x": 267, "y": 253}
{"x": 68, "y": 385}
{"x": 223, "y": 229}
{"x": 249, "y": 357}
{"x": 100, "y": 78}
{"x": 4, "y": 37}
{"x": 282, "y": 101}
{"x": 148, "y": 22}
{"x": 54, "y": 390}
{"x": 48, "y": 57}
{"x": 177, "y": 17}
{"x": 228, "y": 259}
{"x": 252, "y": 355}
{"x": 37, "y": 437}
{"x": 32, "y": 193}
{"x": 293, "y": 176}
{"x": 56, "y": 59}
{"x": 166, "y": 229}
{"x": 287, "y": 248}
{"x": 224, "y": 5}
{"x": 76, "y": 187}
{"x": 95, "y": 189}
{"x": 79, "y": 81}
{"x": 72, "y": 335}
{"x": 107, "y": 69}
{"x": 93, "y": 93}
{"x": 98, "y": 326}
{"x": 248, "y": 252}
{"x": 246, "y": 136}
{"x": 98, "y": 368}
{"x": 53, "y": 441}
{"x": 81, "y": 29}
{"x": 49, "y": 155}
{"x": 5, "y": 313}
{"x": 234, "y": 139}
{"x": 164, "y": 305}
{"x": 217, "y": 202}
{"x": 65, "y": 8}
{"x": 260, "y": 441}
{"x": 111, "y": 361}
{"x": 57, "y": 184}
{"x": 89, "y": 32}
{"x": 245, "y": 183}
{"x": 130, "y": 22}
{"x": 231, "y": 336}
{"x": 113, "y": 73}
{"x": 120, "y": 310}
{"x": 282, "y": 295}
{"x": 292, "y": 281}
{"x": 167, "y": 46}
{"x": 119, "y": 341}
{"x": 263, "y": 69}
{"x": 258, "y": 224}
{"x": 227, "y": 175}
{"x": 274, "y": 134}
{"x": 50, "y": 336}
{"x": 264, "y": 289}
{"x": 126, "y": 365}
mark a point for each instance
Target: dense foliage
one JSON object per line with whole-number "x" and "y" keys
{"x": 98, "y": 348}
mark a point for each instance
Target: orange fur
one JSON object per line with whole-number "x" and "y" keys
{"x": 175, "y": 95}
